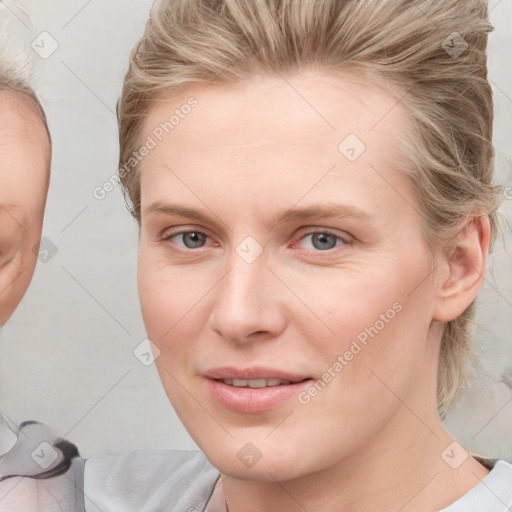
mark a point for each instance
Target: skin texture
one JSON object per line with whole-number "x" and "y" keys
{"x": 241, "y": 156}
{"x": 24, "y": 179}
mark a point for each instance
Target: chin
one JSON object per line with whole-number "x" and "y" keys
{"x": 263, "y": 471}
{"x": 259, "y": 461}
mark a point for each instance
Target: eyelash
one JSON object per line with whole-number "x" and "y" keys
{"x": 345, "y": 240}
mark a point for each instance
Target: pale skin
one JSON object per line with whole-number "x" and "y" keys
{"x": 24, "y": 178}
{"x": 372, "y": 439}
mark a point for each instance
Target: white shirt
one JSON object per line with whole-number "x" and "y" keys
{"x": 492, "y": 494}
{"x": 153, "y": 480}
{"x": 184, "y": 481}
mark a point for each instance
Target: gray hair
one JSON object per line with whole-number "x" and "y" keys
{"x": 17, "y": 59}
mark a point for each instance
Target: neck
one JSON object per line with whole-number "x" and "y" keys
{"x": 402, "y": 469}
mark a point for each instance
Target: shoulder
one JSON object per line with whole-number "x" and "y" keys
{"x": 502, "y": 472}
{"x": 39, "y": 471}
{"x": 143, "y": 480}
{"x": 492, "y": 494}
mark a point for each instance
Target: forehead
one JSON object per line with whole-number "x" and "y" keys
{"x": 20, "y": 118}
{"x": 274, "y": 129}
{"x": 24, "y": 141}
{"x": 24, "y": 152}
{"x": 325, "y": 102}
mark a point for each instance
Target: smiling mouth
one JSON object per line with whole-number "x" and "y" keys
{"x": 257, "y": 383}
{"x": 253, "y": 395}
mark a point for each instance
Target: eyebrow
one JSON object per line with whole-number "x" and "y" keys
{"x": 317, "y": 211}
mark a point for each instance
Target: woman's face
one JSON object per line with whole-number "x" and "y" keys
{"x": 24, "y": 174}
{"x": 280, "y": 240}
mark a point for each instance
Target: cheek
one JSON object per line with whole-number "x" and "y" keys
{"x": 376, "y": 317}
{"x": 172, "y": 303}
{"x": 164, "y": 304}
{"x": 385, "y": 344}
{"x": 345, "y": 302}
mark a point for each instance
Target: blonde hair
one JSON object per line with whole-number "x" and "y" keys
{"x": 430, "y": 55}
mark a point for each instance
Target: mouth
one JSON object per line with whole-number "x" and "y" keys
{"x": 253, "y": 390}
{"x": 255, "y": 375}
{"x": 257, "y": 383}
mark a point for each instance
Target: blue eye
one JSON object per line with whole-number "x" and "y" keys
{"x": 323, "y": 240}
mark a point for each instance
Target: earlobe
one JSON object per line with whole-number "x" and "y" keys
{"x": 466, "y": 264}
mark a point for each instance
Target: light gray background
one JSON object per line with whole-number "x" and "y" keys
{"x": 66, "y": 356}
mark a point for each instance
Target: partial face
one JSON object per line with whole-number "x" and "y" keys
{"x": 335, "y": 295}
{"x": 24, "y": 164}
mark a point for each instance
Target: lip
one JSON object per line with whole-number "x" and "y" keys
{"x": 254, "y": 372}
{"x": 252, "y": 400}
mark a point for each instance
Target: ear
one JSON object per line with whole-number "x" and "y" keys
{"x": 463, "y": 269}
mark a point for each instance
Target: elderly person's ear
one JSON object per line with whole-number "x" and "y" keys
{"x": 24, "y": 178}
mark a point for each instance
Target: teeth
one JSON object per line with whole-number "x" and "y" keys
{"x": 255, "y": 383}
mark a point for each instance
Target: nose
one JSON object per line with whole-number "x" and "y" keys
{"x": 248, "y": 302}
